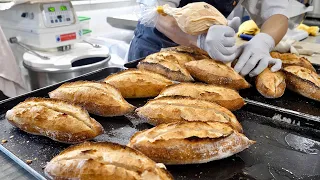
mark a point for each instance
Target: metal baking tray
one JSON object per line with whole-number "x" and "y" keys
{"x": 289, "y": 152}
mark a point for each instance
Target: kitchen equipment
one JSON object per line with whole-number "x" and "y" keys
{"x": 291, "y": 151}
{"x": 53, "y": 41}
{"x": 316, "y": 11}
{"x": 296, "y": 11}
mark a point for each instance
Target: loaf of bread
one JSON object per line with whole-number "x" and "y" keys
{"x": 134, "y": 83}
{"x": 105, "y": 161}
{"x": 189, "y": 142}
{"x": 196, "y": 18}
{"x": 271, "y": 84}
{"x": 56, "y": 119}
{"x": 303, "y": 81}
{"x": 98, "y": 98}
{"x": 217, "y": 73}
{"x": 195, "y": 52}
{"x": 289, "y": 59}
{"x": 175, "y": 109}
{"x": 168, "y": 64}
{"x": 225, "y": 97}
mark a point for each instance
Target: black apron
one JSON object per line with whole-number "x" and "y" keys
{"x": 149, "y": 40}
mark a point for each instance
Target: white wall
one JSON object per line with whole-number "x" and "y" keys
{"x": 99, "y": 13}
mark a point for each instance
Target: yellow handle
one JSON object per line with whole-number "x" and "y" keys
{"x": 160, "y": 10}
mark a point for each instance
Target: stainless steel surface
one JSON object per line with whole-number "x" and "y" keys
{"x": 21, "y": 163}
{"x": 10, "y": 170}
{"x": 122, "y": 23}
{"x": 44, "y": 77}
{"x": 316, "y": 11}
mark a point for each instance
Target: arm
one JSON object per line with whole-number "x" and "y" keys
{"x": 276, "y": 26}
{"x": 169, "y": 27}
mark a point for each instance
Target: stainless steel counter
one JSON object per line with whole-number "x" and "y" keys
{"x": 10, "y": 170}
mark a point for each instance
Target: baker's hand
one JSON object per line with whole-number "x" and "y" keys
{"x": 235, "y": 23}
{"x": 220, "y": 41}
{"x": 255, "y": 56}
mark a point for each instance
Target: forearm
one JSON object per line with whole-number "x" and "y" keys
{"x": 276, "y": 26}
{"x": 169, "y": 27}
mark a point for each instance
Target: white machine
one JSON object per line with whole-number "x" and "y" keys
{"x": 53, "y": 39}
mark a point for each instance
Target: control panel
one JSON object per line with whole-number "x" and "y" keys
{"x": 58, "y": 14}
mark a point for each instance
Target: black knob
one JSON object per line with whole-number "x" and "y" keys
{"x": 24, "y": 15}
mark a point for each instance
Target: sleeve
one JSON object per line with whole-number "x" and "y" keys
{"x": 172, "y": 3}
{"x": 261, "y": 10}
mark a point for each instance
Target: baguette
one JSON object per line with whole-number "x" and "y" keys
{"x": 225, "y": 97}
{"x": 271, "y": 84}
{"x": 55, "y": 119}
{"x": 98, "y": 98}
{"x": 289, "y": 59}
{"x": 194, "y": 52}
{"x": 217, "y": 73}
{"x": 175, "y": 109}
{"x": 189, "y": 142}
{"x": 303, "y": 81}
{"x": 135, "y": 83}
{"x": 105, "y": 161}
{"x": 168, "y": 64}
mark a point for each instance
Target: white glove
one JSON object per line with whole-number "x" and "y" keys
{"x": 235, "y": 23}
{"x": 220, "y": 41}
{"x": 255, "y": 56}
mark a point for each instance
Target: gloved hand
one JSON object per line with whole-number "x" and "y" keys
{"x": 220, "y": 41}
{"x": 255, "y": 56}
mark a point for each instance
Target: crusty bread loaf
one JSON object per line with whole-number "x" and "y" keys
{"x": 98, "y": 98}
{"x": 189, "y": 142}
{"x": 214, "y": 72}
{"x": 174, "y": 109}
{"x": 104, "y": 161}
{"x": 271, "y": 84}
{"x": 289, "y": 59}
{"x": 196, "y": 18}
{"x": 225, "y": 97}
{"x": 134, "y": 83}
{"x": 195, "y": 52}
{"x": 56, "y": 119}
{"x": 303, "y": 81}
{"x": 168, "y": 64}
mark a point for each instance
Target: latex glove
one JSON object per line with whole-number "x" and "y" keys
{"x": 220, "y": 41}
{"x": 234, "y": 23}
{"x": 255, "y": 56}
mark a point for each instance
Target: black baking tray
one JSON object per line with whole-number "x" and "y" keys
{"x": 290, "y": 102}
{"x": 283, "y": 150}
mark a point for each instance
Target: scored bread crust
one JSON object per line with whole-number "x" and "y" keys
{"x": 303, "y": 81}
{"x": 105, "y": 161}
{"x": 98, "y": 98}
{"x": 217, "y": 73}
{"x": 195, "y": 52}
{"x": 168, "y": 64}
{"x": 271, "y": 84}
{"x": 56, "y": 119}
{"x": 289, "y": 59}
{"x": 189, "y": 142}
{"x": 225, "y": 97}
{"x": 176, "y": 109}
{"x": 134, "y": 83}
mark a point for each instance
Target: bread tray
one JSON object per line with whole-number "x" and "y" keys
{"x": 283, "y": 150}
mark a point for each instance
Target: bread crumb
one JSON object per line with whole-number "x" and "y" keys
{"x": 11, "y": 137}
{"x": 4, "y": 141}
{"x": 28, "y": 161}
